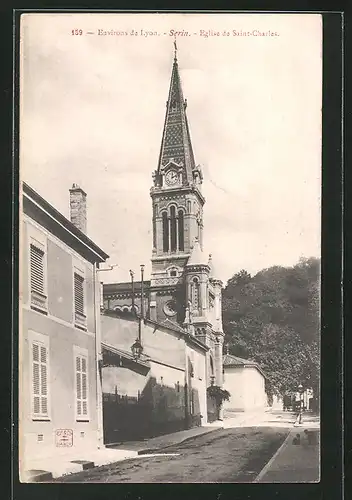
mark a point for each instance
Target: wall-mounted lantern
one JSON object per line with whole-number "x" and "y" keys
{"x": 137, "y": 349}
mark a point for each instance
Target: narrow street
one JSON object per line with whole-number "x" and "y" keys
{"x": 232, "y": 454}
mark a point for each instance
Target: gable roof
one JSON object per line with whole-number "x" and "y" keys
{"x": 38, "y": 209}
{"x": 234, "y": 361}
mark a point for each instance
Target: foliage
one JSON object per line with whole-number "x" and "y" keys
{"x": 220, "y": 395}
{"x": 273, "y": 319}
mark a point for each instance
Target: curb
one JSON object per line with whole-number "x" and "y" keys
{"x": 268, "y": 465}
{"x": 146, "y": 451}
{"x": 75, "y": 466}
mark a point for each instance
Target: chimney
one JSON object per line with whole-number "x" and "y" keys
{"x": 78, "y": 208}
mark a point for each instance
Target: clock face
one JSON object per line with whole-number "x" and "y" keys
{"x": 171, "y": 178}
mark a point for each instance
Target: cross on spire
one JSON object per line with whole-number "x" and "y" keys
{"x": 175, "y": 46}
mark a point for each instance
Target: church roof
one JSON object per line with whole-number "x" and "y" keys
{"x": 197, "y": 257}
{"x": 232, "y": 361}
{"x": 176, "y": 143}
{"x": 124, "y": 287}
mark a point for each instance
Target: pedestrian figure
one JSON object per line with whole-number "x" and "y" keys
{"x": 297, "y": 439}
{"x": 311, "y": 436}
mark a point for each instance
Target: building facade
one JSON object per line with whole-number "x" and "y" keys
{"x": 60, "y": 404}
{"x": 183, "y": 287}
{"x": 163, "y": 390}
{"x": 245, "y": 381}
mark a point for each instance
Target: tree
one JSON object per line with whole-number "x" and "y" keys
{"x": 273, "y": 319}
{"x": 219, "y": 395}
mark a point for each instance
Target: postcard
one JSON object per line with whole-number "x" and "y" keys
{"x": 170, "y": 180}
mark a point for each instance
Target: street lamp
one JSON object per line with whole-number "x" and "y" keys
{"x": 300, "y": 390}
{"x": 137, "y": 349}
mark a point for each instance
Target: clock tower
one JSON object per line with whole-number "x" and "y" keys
{"x": 177, "y": 209}
{"x": 184, "y": 292}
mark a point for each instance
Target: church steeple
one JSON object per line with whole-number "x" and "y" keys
{"x": 177, "y": 209}
{"x": 176, "y": 152}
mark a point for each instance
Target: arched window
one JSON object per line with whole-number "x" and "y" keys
{"x": 195, "y": 293}
{"x": 165, "y": 233}
{"x": 181, "y": 242}
{"x": 173, "y": 229}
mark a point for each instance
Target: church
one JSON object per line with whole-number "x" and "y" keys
{"x": 184, "y": 292}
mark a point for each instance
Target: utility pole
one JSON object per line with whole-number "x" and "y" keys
{"x": 133, "y": 303}
{"x": 141, "y": 318}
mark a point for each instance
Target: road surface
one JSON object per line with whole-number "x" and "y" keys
{"x": 224, "y": 456}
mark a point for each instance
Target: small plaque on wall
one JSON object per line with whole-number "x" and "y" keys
{"x": 64, "y": 438}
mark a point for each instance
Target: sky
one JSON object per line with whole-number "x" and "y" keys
{"x": 92, "y": 109}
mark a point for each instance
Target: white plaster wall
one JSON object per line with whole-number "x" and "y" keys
{"x": 199, "y": 359}
{"x": 254, "y": 393}
{"x": 165, "y": 375}
{"x": 234, "y": 382}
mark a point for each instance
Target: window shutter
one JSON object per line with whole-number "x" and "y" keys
{"x": 84, "y": 387}
{"x": 78, "y": 386}
{"x": 79, "y": 293}
{"x": 37, "y": 269}
{"x": 81, "y": 386}
{"x": 40, "y": 380}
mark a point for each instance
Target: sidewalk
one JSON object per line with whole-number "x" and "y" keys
{"x": 47, "y": 468}
{"x": 298, "y": 463}
{"x": 159, "y": 443}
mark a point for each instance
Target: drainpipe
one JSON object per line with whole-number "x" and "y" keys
{"x": 98, "y": 357}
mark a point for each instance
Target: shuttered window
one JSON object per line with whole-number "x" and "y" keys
{"x": 81, "y": 363}
{"x": 79, "y": 293}
{"x": 37, "y": 269}
{"x": 40, "y": 380}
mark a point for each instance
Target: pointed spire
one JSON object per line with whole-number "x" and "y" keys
{"x": 197, "y": 257}
{"x": 213, "y": 273}
{"x": 176, "y": 143}
{"x": 211, "y": 266}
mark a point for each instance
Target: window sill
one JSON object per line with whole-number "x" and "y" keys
{"x": 83, "y": 420}
{"x": 39, "y": 309}
{"x": 81, "y": 327}
{"x": 41, "y": 419}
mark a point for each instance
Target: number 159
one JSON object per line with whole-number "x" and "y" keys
{"x": 76, "y": 32}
